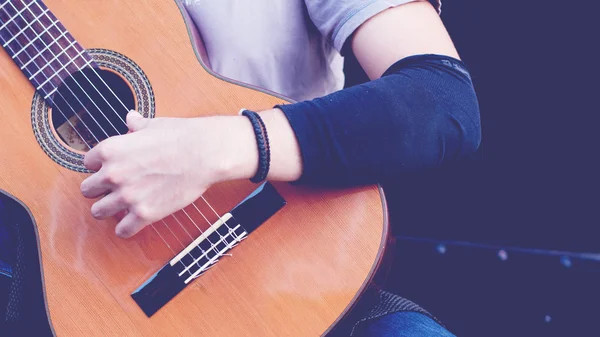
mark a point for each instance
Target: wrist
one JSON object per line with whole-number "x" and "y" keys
{"x": 238, "y": 154}
{"x": 229, "y": 145}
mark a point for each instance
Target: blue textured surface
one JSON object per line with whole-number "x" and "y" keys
{"x": 4, "y": 237}
{"x": 5, "y": 268}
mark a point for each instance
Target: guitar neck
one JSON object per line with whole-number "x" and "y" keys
{"x": 40, "y": 45}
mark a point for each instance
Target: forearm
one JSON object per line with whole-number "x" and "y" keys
{"x": 420, "y": 115}
{"x": 423, "y": 113}
{"x": 242, "y": 161}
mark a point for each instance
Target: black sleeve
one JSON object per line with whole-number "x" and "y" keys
{"x": 422, "y": 113}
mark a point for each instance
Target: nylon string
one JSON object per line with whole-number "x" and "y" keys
{"x": 40, "y": 53}
{"x": 70, "y": 106}
{"x": 213, "y": 246}
{"x": 64, "y": 66}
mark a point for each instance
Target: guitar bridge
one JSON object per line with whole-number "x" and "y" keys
{"x": 208, "y": 248}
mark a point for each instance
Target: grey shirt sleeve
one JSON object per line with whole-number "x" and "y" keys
{"x": 338, "y": 19}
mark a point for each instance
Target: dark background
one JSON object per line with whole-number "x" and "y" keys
{"x": 532, "y": 185}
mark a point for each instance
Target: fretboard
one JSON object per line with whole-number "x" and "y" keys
{"x": 40, "y": 45}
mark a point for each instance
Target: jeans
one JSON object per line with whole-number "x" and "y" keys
{"x": 404, "y": 324}
{"x": 379, "y": 313}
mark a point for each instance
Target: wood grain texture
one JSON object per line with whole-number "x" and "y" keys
{"x": 294, "y": 276}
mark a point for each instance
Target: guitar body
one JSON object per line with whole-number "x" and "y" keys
{"x": 295, "y": 275}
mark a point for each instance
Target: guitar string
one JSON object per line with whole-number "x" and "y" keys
{"x": 196, "y": 260}
{"x": 58, "y": 59}
{"x": 89, "y": 147}
{"x": 71, "y": 107}
{"x": 55, "y": 72}
{"x": 4, "y": 4}
{"x": 217, "y": 214}
{"x": 229, "y": 229}
{"x": 209, "y": 223}
{"x": 66, "y": 101}
{"x": 74, "y": 112}
{"x": 82, "y": 138}
{"x": 213, "y": 246}
{"x": 55, "y": 56}
{"x": 59, "y": 110}
{"x": 116, "y": 113}
{"x": 92, "y": 68}
{"x": 163, "y": 239}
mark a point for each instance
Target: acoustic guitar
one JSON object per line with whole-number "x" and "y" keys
{"x": 302, "y": 256}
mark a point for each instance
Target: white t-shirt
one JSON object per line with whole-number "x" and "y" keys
{"x": 290, "y": 47}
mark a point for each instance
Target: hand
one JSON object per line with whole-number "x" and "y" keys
{"x": 164, "y": 164}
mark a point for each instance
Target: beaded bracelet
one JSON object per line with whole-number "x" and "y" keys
{"x": 262, "y": 141}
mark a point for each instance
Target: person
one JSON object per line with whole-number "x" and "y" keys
{"x": 407, "y": 105}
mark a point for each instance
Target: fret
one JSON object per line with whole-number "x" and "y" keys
{"x": 38, "y": 36}
{"x": 52, "y": 93}
{"x": 45, "y": 48}
{"x": 48, "y": 63}
{"x": 25, "y": 28}
{"x": 28, "y": 30}
{"x": 56, "y": 73}
{"x": 17, "y": 14}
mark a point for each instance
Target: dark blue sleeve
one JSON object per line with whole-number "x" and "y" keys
{"x": 422, "y": 113}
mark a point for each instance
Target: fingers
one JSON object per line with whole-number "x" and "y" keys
{"x": 116, "y": 202}
{"x": 96, "y": 156}
{"x": 130, "y": 225}
{"x": 93, "y": 159}
{"x": 108, "y": 206}
{"x": 96, "y": 185}
{"x": 135, "y": 121}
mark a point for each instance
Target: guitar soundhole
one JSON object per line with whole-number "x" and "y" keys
{"x": 91, "y": 106}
